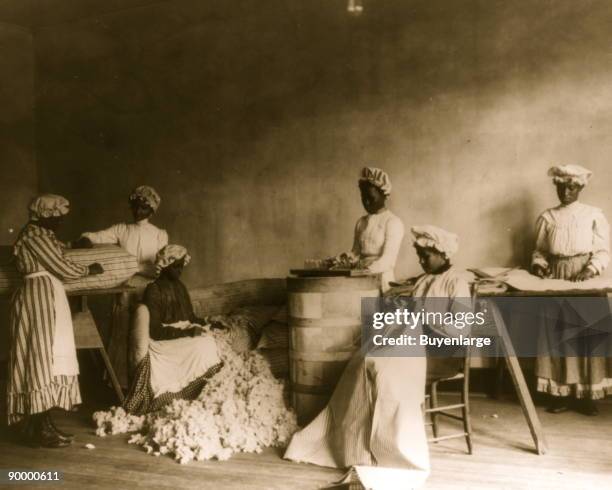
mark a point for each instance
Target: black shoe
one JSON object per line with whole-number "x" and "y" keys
{"x": 588, "y": 407}
{"x": 61, "y": 433}
{"x": 559, "y": 405}
{"x": 48, "y": 438}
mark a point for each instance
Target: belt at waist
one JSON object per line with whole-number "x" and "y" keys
{"x": 567, "y": 257}
{"x": 36, "y": 274}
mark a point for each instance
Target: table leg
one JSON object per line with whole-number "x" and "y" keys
{"x": 111, "y": 374}
{"x": 519, "y": 381}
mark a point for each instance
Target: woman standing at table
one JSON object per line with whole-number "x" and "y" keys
{"x": 140, "y": 238}
{"x": 143, "y": 240}
{"x": 43, "y": 369}
{"x": 572, "y": 243}
{"x": 378, "y": 234}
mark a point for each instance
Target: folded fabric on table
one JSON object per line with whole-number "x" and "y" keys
{"x": 119, "y": 266}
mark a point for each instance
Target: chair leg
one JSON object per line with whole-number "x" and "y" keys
{"x": 467, "y": 424}
{"x": 434, "y": 404}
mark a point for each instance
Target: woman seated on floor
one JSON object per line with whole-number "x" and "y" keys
{"x": 375, "y": 417}
{"x": 176, "y": 354}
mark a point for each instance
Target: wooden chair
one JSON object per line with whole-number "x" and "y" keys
{"x": 434, "y": 409}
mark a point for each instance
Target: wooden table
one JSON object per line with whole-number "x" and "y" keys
{"x": 86, "y": 331}
{"x": 512, "y": 363}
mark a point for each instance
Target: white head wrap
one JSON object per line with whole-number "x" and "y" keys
{"x": 570, "y": 173}
{"x": 377, "y": 177}
{"x": 147, "y": 194}
{"x": 170, "y": 254}
{"x": 47, "y": 205}
{"x": 430, "y": 236}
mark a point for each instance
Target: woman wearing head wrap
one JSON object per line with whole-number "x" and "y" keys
{"x": 180, "y": 357}
{"x": 378, "y": 234}
{"x": 43, "y": 369}
{"x": 140, "y": 238}
{"x": 572, "y": 243}
{"x": 374, "y": 417}
{"x": 143, "y": 240}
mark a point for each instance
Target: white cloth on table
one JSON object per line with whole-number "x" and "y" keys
{"x": 176, "y": 363}
{"x": 572, "y": 230}
{"x": 378, "y": 237}
{"x": 141, "y": 239}
{"x": 64, "y": 349}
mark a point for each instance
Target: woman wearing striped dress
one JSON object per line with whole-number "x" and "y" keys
{"x": 43, "y": 368}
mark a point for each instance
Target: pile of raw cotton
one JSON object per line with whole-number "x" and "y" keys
{"x": 241, "y": 409}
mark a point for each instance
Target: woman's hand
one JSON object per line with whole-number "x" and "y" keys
{"x": 540, "y": 271}
{"x": 585, "y": 274}
{"x": 82, "y": 242}
{"x": 365, "y": 263}
{"x": 95, "y": 269}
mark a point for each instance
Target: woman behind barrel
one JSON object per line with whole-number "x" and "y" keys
{"x": 43, "y": 368}
{"x": 572, "y": 243}
{"x": 374, "y": 417}
{"x": 378, "y": 234}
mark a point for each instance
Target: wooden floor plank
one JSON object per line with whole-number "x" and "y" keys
{"x": 580, "y": 457}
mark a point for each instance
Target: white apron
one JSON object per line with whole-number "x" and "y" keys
{"x": 176, "y": 363}
{"x": 64, "y": 349}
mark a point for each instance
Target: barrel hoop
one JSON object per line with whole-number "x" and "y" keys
{"x": 337, "y": 356}
{"x": 322, "y": 390}
{"x": 369, "y": 285}
{"x": 327, "y": 322}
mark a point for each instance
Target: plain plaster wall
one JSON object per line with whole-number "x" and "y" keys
{"x": 252, "y": 119}
{"x": 18, "y": 181}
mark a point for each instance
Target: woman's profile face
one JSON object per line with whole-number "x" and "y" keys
{"x": 372, "y": 198}
{"x": 140, "y": 209}
{"x": 568, "y": 192}
{"x": 430, "y": 259}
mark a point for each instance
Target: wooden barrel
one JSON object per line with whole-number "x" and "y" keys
{"x": 325, "y": 331}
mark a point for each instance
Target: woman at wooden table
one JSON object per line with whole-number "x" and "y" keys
{"x": 43, "y": 368}
{"x": 176, "y": 355}
{"x": 143, "y": 240}
{"x": 375, "y": 417}
{"x": 140, "y": 238}
{"x": 572, "y": 243}
{"x": 378, "y": 234}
